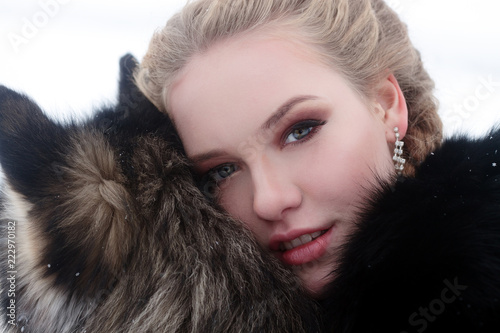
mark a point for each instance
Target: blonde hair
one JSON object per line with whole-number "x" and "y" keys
{"x": 361, "y": 39}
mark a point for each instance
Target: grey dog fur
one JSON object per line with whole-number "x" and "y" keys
{"x": 112, "y": 235}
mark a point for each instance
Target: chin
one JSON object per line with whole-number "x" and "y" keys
{"x": 314, "y": 278}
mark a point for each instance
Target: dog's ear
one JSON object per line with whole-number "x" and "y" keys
{"x": 129, "y": 95}
{"x": 133, "y": 108}
{"x": 128, "y": 64}
{"x": 31, "y": 144}
{"x": 134, "y": 114}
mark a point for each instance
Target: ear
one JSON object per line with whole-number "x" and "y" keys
{"x": 135, "y": 114}
{"x": 392, "y": 104}
{"x": 131, "y": 101}
{"x": 31, "y": 145}
{"x": 128, "y": 64}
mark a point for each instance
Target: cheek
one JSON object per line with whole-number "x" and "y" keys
{"x": 233, "y": 198}
{"x": 340, "y": 168}
{"x": 330, "y": 175}
{"x": 236, "y": 198}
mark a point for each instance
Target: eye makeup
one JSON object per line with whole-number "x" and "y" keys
{"x": 296, "y": 127}
{"x": 301, "y": 132}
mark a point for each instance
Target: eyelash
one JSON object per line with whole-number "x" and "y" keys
{"x": 311, "y": 124}
{"x": 305, "y": 124}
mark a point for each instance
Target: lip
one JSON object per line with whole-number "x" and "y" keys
{"x": 304, "y": 253}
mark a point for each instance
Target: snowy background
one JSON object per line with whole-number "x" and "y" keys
{"x": 64, "y": 53}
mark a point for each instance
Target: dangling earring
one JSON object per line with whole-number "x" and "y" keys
{"x": 399, "y": 162}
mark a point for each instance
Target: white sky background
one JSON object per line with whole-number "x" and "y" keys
{"x": 70, "y": 63}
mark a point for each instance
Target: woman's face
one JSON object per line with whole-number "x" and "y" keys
{"x": 293, "y": 148}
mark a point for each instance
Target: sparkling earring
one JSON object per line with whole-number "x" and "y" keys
{"x": 399, "y": 162}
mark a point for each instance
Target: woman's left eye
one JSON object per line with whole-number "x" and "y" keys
{"x": 302, "y": 131}
{"x": 222, "y": 172}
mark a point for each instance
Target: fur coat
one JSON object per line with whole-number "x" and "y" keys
{"x": 426, "y": 255}
{"x": 100, "y": 235}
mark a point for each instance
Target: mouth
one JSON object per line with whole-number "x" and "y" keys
{"x": 304, "y": 239}
{"x": 305, "y": 248}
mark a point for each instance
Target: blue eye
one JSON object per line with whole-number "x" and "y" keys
{"x": 298, "y": 134}
{"x": 302, "y": 131}
{"x": 222, "y": 172}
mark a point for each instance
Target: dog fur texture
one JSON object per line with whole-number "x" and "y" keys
{"x": 111, "y": 234}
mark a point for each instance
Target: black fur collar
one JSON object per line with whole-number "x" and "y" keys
{"x": 426, "y": 256}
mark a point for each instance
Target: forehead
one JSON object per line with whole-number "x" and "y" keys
{"x": 224, "y": 94}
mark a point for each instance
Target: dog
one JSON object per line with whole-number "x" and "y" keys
{"x": 106, "y": 230}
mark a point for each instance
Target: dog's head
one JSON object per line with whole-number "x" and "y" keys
{"x": 109, "y": 223}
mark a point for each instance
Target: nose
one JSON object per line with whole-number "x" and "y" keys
{"x": 274, "y": 191}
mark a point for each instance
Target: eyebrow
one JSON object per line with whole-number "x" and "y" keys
{"x": 269, "y": 123}
{"x": 284, "y": 109}
{"x": 207, "y": 156}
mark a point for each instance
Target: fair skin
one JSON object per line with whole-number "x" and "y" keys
{"x": 293, "y": 147}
